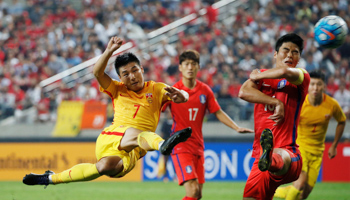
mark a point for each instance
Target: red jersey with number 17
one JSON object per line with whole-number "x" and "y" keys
{"x": 292, "y": 95}
{"x": 191, "y": 114}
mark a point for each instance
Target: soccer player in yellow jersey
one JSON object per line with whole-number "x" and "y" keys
{"x": 137, "y": 105}
{"x": 317, "y": 110}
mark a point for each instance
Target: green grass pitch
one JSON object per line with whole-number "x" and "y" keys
{"x": 147, "y": 191}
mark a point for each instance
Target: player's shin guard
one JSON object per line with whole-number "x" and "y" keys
{"x": 293, "y": 194}
{"x": 148, "y": 140}
{"x": 80, "y": 172}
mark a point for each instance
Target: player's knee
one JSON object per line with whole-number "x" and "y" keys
{"x": 193, "y": 189}
{"x": 129, "y": 140}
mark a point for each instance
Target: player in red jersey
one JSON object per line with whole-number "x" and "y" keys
{"x": 278, "y": 95}
{"x": 188, "y": 157}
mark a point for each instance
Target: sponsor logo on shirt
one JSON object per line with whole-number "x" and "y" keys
{"x": 149, "y": 97}
{"x": 188, "y": 169}
{"x": 281, "y": 84}
{"x": 202, "y": 99}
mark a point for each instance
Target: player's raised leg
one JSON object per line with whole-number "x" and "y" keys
{"x": 151, "y": 141}
{"x": 275, "y": 160}
{"x": 179, "y": 136}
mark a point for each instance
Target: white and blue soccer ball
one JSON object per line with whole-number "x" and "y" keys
{"x": 330, "y": 31}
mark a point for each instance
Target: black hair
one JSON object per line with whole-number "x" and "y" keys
{"x": 124, "y": 59}
{"x": 290, "y": 37}
{"x": 318, "y": 74}
{"x": 189, "y": 55}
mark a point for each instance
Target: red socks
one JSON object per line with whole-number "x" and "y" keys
{"x": 189, "y": 198}
{"x": 276, "y": 163}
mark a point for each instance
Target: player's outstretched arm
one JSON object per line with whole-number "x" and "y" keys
{"x": 332, "y": 152}
{"x": 225, "y": 119}
{"x": 176, "y": 95}
{"x": 291, "y": 74}
{"x": 99, "y": 69}
{"x": 249, "y": 92}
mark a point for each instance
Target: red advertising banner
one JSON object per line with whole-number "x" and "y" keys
{"x": 338, "y": 168}
{"x": 94, "y": 115}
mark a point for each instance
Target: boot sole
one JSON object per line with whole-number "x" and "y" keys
{"x": 266, "y": 142}
{"x": 175, "y": 139}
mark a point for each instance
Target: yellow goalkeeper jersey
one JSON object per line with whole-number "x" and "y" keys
{"x": 139, "y": 110}
{"x": 314, "y": 122}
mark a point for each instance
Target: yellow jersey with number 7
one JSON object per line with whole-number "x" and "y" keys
{"x": 314, "y": 122}
{"x": 139, "y": 110}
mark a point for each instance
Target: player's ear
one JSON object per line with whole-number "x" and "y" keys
{"x": 275, "y": 55}
{"x": 142, "y": 69}
{"x": 180, "y": 67}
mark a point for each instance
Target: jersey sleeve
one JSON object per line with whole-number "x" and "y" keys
{"x": 338, "y": 113}
{"x": 112, "y": 89}
{"x": 213, "y": 104}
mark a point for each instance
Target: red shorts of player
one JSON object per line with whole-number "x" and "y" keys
{"x": 189, "y": 166}
{"x": 262, "y": 185}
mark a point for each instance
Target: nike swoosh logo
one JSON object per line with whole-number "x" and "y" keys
{"x": 329, "y": 34}
{"x": 264, "y": 84}
{"x": 70, "y": 175}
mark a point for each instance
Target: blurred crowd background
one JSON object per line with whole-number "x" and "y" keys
{"x": 40, "y": 38}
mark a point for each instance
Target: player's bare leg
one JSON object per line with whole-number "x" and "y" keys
{"x": 110, "y": 166}
{"x": 306, "y": 192}
{"x": 200, "y": 189}
{"x": 193, "y": 189}
{"x": 286, "y": 161}
{"x": 129, "y": 140}
{"x": 298, "y": 188}
{"x": 151, "y": 141}
{"x": 275, "y": 160}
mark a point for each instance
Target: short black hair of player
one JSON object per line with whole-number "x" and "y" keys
{"x": 318, "y": 74}
{"x": 124, "y": 59}
{"x": 189, "y": 55}
{"x": 290, "y": 37}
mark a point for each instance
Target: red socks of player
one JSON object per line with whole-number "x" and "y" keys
{"x": 276, "y": 163}
{"x": 189, "y": 198}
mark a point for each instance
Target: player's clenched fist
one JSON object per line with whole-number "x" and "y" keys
{"x": 114, "y": 44}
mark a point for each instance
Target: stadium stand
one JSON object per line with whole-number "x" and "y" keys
{"x": 39, "y": 42}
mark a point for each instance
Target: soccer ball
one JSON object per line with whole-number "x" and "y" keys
{"x": 330, "y": 31}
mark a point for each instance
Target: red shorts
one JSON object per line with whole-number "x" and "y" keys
{"x": 188, "y": 167}
{"x": 262, "y": 185}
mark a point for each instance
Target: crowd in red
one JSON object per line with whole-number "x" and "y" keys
{"x": 40, "y": 38}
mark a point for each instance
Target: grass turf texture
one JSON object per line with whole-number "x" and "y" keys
{"x": 147, "y": 191}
